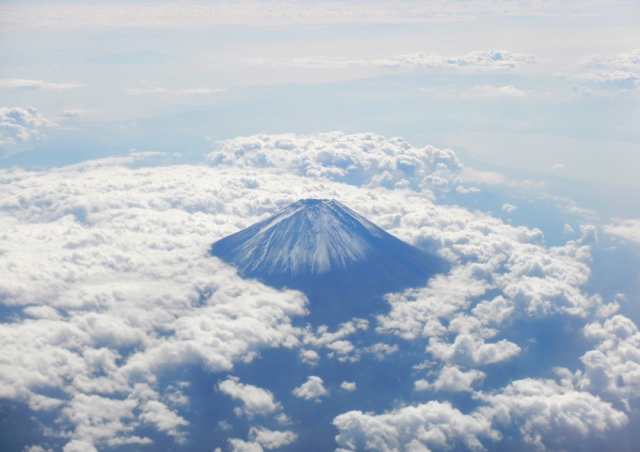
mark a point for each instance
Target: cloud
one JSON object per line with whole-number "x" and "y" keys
{"x": 112, "y": 284}
{"x": 488, "y": 92}
{"x": 627, "y": 229}
{"x": 549, "y": 415}
{"x": 239, "y": 445}
{"x": 358, "y": 159}
{"x": 18, "y": 83}
{"x": 470, "y": 351}
{"x": 613, "y": 367}
{"x": 271, "y": 439}
{"x": 160, "y": 91}
{"x": 421, "y": 427}
{"x": 348, "y": 386}
{"x": 452, "y": 379}
{"x": 18, "y": 126}
{"x": 475, "y": 61}
{"x": 509, "y": 208}
{"x": 312, "y": 389}
{"x": 255, "y": 401}
{"x": 618, "y": 73}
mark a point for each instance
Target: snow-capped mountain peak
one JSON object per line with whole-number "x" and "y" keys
{"x": 310, "y": 236}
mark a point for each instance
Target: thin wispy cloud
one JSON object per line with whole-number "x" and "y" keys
{"x": 19, "y": 83}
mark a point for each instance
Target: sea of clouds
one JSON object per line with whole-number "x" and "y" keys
{"x": 108, "y": 284}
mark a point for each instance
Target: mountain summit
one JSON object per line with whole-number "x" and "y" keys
{"x": 330, "y": 253}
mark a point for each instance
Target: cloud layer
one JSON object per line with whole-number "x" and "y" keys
{"x": 112, "y": 287}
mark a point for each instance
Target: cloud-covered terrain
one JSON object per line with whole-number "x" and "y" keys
{"x": 113, "y": 295}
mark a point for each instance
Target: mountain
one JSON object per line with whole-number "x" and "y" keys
{"x": 343, "y": 262}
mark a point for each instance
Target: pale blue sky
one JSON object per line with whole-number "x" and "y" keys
{"x": 163, "y": 75}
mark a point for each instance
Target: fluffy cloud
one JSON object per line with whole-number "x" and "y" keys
{"x": 312, "y": 389}
{"x": 613, "y": 367}
{"x": 550, "y": 415}
{"x": 271, "y": 439}
{"x": 239, "y": 445}
{"x": 18, "y": 126}
{"x": 255, "y": 400}
{"x": 453, "y": 379}
{"x": 628, "y": 229}
{"x": 112, "y": 285}
{"x": 422, "y": 427}
{"x": 359, "y": 159}
{"x": 468, "y": 350}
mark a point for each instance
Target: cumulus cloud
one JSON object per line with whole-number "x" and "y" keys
{"x": 239, "y": 445}
{"x": 255, "y": 400}
{"x": 452, "y": 379}
{"x": 628, "y": 229}
{"x": 613, "y": 367}
{"x": 421, "y": 427}
{"x": 550, "y": 415}
{"x": 358, "y": 159}
{"x": 312, "y": 389}
{"x": 547, "y": 414}
{"x": 271, "y": 439}
{"x": 470, "y": 351}
{"x": 20, "y": 125}
{"x": 113, "y": 284}
{"x": 19, "y": 83}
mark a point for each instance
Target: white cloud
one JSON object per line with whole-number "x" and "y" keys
{"x": 620, "y": 72}
{"x": 550, "y": 415}
{"x": 255, "y": 400}
{"x": 497, "y": 91}
{"x": 18, "y": 126}
{"x": 312, "y": 389}
{"x": 479, "y": 60}
{"x": 271, "y": 439}
{"x": 468, "y": 350}
{"x": 613, "y": 367}
{"x": 453, "y": 379}
{"x": 160, "y": 91}
{"x": 348, "y": 386}
{"x": 422, "y": 427}
{"x": 479, "y": 92}
{"x": 627, "y": 229}
{"x": 310, "y": 357}
{"x": 239, "y": 445}
{"x": 509, "y": 208}
{"x": 110, "y": 265}
{"x": 19, "y": 83}
{"x": 357, "y": 159}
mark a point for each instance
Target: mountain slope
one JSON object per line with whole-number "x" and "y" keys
{"x": 339, "y": 259}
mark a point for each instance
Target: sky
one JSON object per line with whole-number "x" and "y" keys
{"x": 500, "y": 135}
